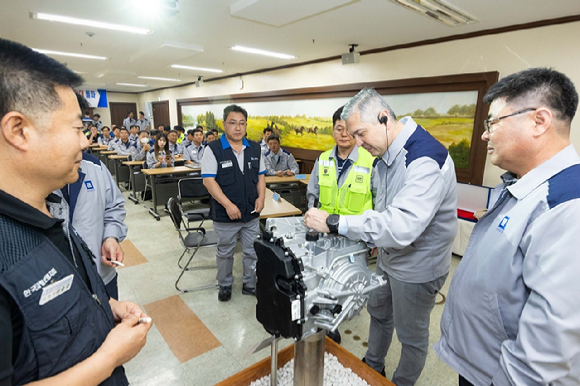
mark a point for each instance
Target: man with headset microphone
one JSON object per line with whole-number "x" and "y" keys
{"x": 413, "y": 224}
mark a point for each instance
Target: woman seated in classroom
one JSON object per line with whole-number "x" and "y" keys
{"x": 160, "y": 156}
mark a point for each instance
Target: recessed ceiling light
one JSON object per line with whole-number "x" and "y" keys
{"x": 262, "y": 52}
{"x": 438, "y": 10}
{"x": 132, "y": 85}
{"x": 79, "y": 72}
{"x": 49, "y": 52}
{"x": 156, "y": 78}
{"x": 196, "y": 68}
{"x": 89, "y": 23}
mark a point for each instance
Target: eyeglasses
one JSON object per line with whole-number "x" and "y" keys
{"x": 341, "y": 130}
{"x": 490, "y": 122}
{"x": 234, "y": 123}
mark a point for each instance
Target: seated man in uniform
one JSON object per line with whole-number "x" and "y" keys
{"x": 116, "y": 137}
{"x": 209, "y": 136}
{"x": 93, "y": 134}
{"x": 180, "y": 136}
{"x": 188, "y": 139}
{"x": 141, "y": 147}
{"x": 57, "y": 323}
{"x": 123, "y": 145}
{"x": 264, "y": 142}
{"x": 194, "y": 152}
{"x": 279, "y": 162}
{"x": 97, "y": 121}
{"x": 133, "y": 132}
{"x": 105, "y": 137}
{"x": 174, "y": 147}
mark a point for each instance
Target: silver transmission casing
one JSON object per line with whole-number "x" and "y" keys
{"x": 335, "y": 272}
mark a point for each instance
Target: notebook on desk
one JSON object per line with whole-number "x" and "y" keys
{"x": 193, "y": 166}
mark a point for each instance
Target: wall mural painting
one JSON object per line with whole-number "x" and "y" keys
{"x": 450, "y": 107}
{"x": 307, "y": 123}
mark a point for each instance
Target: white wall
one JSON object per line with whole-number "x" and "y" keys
{"x": 553, "y": 46}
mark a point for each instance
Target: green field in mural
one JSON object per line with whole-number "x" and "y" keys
{"x": 453, "y": 128}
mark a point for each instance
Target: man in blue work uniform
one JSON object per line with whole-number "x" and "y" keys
{"x": 233, "y": 172}
{"x": 264, "y": 142}
{"x": 116, "y": 137}
{"x": 141, "y": 147}
{"x": 142, "y": 122}
{"x": 175, "y": 148}
{"x": 413, "y": 224}
{"x": 129, "y": 121}
{"x": 106, "y": 137}
{"x": 97, "y": 121}
{"x": 193, "y": 153}
{"x": 513, "y": 312}
{"x": 123, "y": 145}
{"x": 57, "y": 323}
{"x": 279, "y": 162}
{"x": 97, "y": 211}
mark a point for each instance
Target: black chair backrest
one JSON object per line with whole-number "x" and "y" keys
{"x": 174, "y": 212}
{"x": 192, "y": 188}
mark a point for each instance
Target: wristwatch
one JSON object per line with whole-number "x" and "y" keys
{"x": 332, "y": 222}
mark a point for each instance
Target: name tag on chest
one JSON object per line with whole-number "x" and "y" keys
{"x": 326, "y": 163}
{"x": 55, "y": 289}
{"x": 226, "y": 164}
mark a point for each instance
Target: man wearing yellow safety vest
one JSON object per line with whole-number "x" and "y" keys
{"x": 341, "y": 177}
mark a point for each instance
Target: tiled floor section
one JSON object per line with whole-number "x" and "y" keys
{"x": 233, "y": 323}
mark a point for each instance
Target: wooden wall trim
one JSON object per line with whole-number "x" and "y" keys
{"x": 469, "y": 35}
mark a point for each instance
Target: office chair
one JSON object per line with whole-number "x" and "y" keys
{"x": 194, "y": 238}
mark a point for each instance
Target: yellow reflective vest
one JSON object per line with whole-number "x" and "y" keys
{"x": 354, "y": 196}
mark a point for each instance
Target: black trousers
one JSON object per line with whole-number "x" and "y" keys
{"x": 464, "y": 382}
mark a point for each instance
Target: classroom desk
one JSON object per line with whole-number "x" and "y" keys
{"x": 285, "y": 179}
{"x": 135, "y": 177}
{"x": 155, "y": 174}
{"x": 95, "y": 148}
{"x": 103, "y": 156}
{"x": 117, "y": 159}
{"x": 291, "y": 189}
{"x": 281, "y": 208}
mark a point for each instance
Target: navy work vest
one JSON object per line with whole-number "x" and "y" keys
{"x": 240, "y": 189}
{"x": 65, "y": 330}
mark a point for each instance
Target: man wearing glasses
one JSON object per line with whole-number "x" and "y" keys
{"x": 413, "y": 223}
{"x": 233, "y": 172}
{"x": 513, "y": 312}
{"x": 341, "y": 177}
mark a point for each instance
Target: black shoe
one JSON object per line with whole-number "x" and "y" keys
{"x": 248, "y": 291}
{"x": 225, "y": 293}
{"x": 335, "y": 336}
{"x": 382, "y": 372}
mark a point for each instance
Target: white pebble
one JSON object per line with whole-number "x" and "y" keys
{"x": 334, "y": 374}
